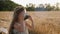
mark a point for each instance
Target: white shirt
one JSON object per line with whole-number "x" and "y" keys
{"x": 25, "y": 29}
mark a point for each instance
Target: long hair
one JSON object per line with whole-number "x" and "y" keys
{"x": 17, "y": 11}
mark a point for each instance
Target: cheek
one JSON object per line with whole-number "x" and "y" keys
{"x": 21, "y": 16}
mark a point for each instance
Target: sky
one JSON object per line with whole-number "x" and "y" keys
{"x": 36, "y": 2}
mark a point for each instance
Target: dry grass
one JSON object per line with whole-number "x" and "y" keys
{"x": 44, "y": 22}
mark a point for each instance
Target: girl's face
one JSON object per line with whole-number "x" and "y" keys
{"x": 21, "y": 15}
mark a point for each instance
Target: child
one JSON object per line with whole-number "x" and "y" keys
{"x": 18, "y": 25}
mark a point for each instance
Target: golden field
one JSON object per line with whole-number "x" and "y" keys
{"x": 45, "y": 22}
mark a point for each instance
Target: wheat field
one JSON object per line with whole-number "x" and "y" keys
{"x": 45, "y": 22}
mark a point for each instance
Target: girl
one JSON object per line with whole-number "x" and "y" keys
{"x": 18, "y": 25}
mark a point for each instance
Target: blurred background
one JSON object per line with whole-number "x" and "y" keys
{"x": 45, "y": 14}
{"x": 31, "y": 5}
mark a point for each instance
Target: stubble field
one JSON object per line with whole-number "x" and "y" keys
{"x": 45, "y": 22}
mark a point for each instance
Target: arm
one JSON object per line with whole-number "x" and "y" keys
{"x": 29, "y": 26}
{"x": 30, "y": 18}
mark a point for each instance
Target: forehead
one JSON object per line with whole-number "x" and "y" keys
{"x": 24, "y": 11}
